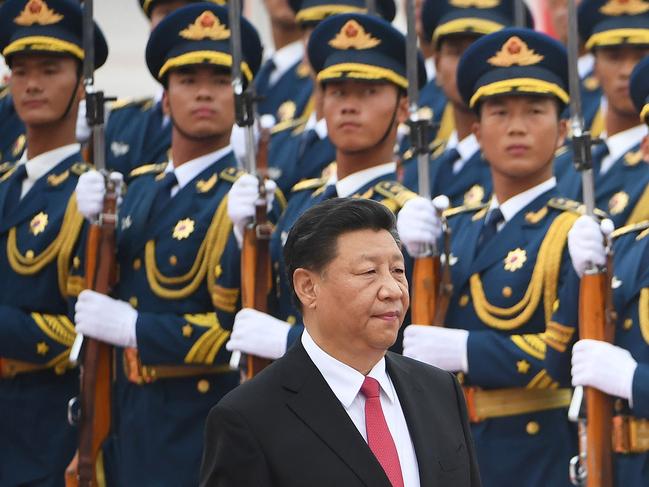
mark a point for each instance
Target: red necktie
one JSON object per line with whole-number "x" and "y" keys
{"x": 379, "y": 438}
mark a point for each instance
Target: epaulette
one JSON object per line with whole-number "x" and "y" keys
{"x": 5, "y": 166}
{"x": 456, "y": 210}
{"x": 561, "y": 150}
{"x": 231, "y": 174}
{"x": 565, "y": 204}
{"x": 79, "y": 168}
{"x": 4, "y": 91}
{"x": 290, "y": 124}
{"x": 143, "y": 103}
{"x": 394, "y": 192}
{"x": 635, "y": 227}
{"x": 147, "y": 169}
{"x": 309, "y": 184}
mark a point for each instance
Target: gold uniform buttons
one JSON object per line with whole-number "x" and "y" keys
{"x": 29, "y": 254}
{"x": 464, "y": 300}
{"x": 173, "y": 260}
{"x": 532, "y": 428}
{"x": 133, "y": 301}
{"x": 137, "y": 264}
{"x": 203, "y": 386}
{"x": 628, "y": 323}
{"x": 76, "y": 262}
{"x": 507, "y": 292}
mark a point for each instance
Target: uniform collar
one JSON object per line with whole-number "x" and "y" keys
{"x": 45, "y": 162}
{"x": 621, "y": 143}
{"x": 344, "y": 381}
{"x": 466, "y": 147}
{"x": 320, "y": 126}
{"x": 189, "y": 170}
{"x": 585, "y": 64}
{"x": 431, "y": 71}
{"x": 516, "y": 203}
{"x": 286, "y": 57}
{"x": 349, "y": 185}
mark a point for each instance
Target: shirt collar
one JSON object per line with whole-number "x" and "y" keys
{"x": 431, "y": 71}
{"x": 345, "y": 382}
{"x": 621, "y": 143}
{"x": 190, "y": 169}
{"x": 287, "y": 56}
{"x": 467, "y": 147}
{"x": 516, "y": 203}
{"x": 585, "y": 64}
{"x": 349, "y": 185}
{"x": 45, "y": 162}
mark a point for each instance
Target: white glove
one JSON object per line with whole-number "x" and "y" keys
{"x": 106, "y": 319}
{"x": 90, "y": 192}
{"x": 83, "y": 132}
{"x": 445, "y": 348}
{"x": 241, "y": 202}
{"x": 586, "y": 244}
{"x": 418, "y": 225}
{"x": 603, "y": 366}
{"x": 259, "y": 334}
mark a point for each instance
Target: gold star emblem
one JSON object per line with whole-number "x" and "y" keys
{"x": 37, "y": 12}
{"x": 523, "y": 366}
{"x": 474, "y": 195}
{"x": 188, "y": 330}
{"x": 42, "y": 348}
{"x": 353, "y": 36}
{"x": 515, "y": 52}
{"x": 183, "y": 229}
{"x": 624, "y": 7}
{"x": 617, "y": 203}
{"x": 286, "y": 111}
{"x": 38, "y": 223}
{"x": 515, "y": 259}
{"x": 206, "y": 26}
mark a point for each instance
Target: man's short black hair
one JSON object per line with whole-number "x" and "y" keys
{"x": 311, "y": 243}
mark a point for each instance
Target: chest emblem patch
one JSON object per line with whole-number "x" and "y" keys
{"x": 618, "y": 202}
{"x": 183, "y": 229}
{"x": 38, "y": 223}
{"x": 515, "y": 259}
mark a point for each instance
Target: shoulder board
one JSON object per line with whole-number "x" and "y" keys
{"x": 129, "y": 102}
{"x": 4, "y": 91}
{"x": 231, "y": 174}
{"x": 147, "y": 169}
{"x": 456, "y": 210}
{"x": 5, "y": 166}
{"x": 309, "y": 184}
{"x": 561, "y": 150}
{"x": 396, "y": 192}
{"x": 79, "y": 168}
{"x": 636, "y": 227}
{"x": 290, "y": 124}
{"x": 565, "y": 204}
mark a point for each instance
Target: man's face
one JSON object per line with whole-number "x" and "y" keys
{"x": 361, "y": 296}
{"x": 358, "y": 112}
{"x": 613, "y": 67}
{"x": 41, "y": 87}
{"x": 519, "y": 135}
{"x": 280, "y": 12}
{"x": 448, "y": 56}
{"x": 200, "y": 101}
{"x": 162, "y": 9}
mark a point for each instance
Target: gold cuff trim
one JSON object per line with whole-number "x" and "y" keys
{"x": 316, "y": 14}
{"x": 209, "y": 344}
{"x": 558, "y": 336}
{"x": 616, "y": 37}
{"x": 201, "y": 57}
{"x": 225, "y": 298}
{"x": 43, "y": 43}
{"x": 532, "y": 345}
{"x": 521, "y": 86}
{"x": 57, "y": 327}
{"x": 361, "y": 72}
{"x": 466, "y": 26}
{"x": 643, "y": 313}
{"x": 542, "y": 380}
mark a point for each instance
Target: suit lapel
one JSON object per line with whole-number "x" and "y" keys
{"x": 317, "y": 406}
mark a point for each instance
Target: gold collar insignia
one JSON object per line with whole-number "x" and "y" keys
{"x": 624, "y": 7}
{"x": 515, "y": 51}
{"x": 353, "y": 36}
{"x": 37, "y": 12}
{"x": 206, "y": 26}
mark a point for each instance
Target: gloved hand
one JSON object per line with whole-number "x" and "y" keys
{"x": 603, "y": 366}
{"x": 83, "y": 131}
{"x": 106, "y": 319}
{"x": 586, "y": 244}
{"x": 241, "y": 202}
{"x": 90, "y": 192}
{"x": 445, "y": 348}
{"x": 258, "y": 334}
{"x": 418, "y": 225}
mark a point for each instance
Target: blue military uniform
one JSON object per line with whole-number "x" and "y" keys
{"x": 12, "y": 130}
{"x": 39, "y": 233}
{"x": 179, "y": 267}
{"x": 506, "y": 278}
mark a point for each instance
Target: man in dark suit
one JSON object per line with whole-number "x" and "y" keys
{"x": 337, "y": 410}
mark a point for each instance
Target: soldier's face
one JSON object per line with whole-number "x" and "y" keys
{"x": 446, "y": 61}
{"x": 613, "y": 67}
{"x": 200, "y": 101}
{"x": 357, "y": 303}
{"x": 41, "y": 87}
{"x": 280, "y": 12}
{"x": 162, "y": 9}
{"x": 518, "y": 135}
{"x": 358, "y": 113}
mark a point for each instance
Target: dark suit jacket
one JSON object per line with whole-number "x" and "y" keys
{"x": 286, "y": 428}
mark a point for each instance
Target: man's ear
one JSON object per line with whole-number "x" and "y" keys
{"x": 563, "y": 132}
{"x": 402, "y": 110}
{"x": 305, "y": 285}
{"x": 477, "y": 131}
{"x": 165, "y": 101}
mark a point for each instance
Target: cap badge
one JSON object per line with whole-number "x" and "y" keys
{"x": 37, "y": 12}
{"x": 206, "y": 26}
{"x": 515, "y": 52}
{"x": 353, "y": 36}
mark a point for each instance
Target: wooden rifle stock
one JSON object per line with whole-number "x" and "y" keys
{"x": 96, "y": 365}
{"x": 255, "y": 255}
{"x": 425, "y": 289}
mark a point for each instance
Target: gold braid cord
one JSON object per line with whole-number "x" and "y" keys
{"x": 60, "y": 248}
{"x": 543, "y": 283}
{"x": 206, "y": 348}
{"x": 643, "y": 313}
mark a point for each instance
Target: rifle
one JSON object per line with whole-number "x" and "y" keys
{"x": 91, "y": 411}
{"x": 371, "y": 7}
{"x": 426, "y": 287}
{"x": 255, "y": 252}
{"x": 593, "y": 466}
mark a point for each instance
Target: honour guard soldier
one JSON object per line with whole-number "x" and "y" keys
{"x": 507, "y": 263}
{"x": 360, "y": 61}
{"x": 177, "y": 257}
{"x": 458, "y": 169}
{"x": 39, "y": 232}
{"x": 617, "y": 32}
{"x": 621, "y": 368}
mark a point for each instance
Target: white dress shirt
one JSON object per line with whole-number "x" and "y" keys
{"x": 284, "y": 59}
{"x": 466, "y": 147}
{"x": 619, "y": 144}
{"x": 320, "y": 126}
{"x": 44, "y": 163}
{"x": 585, "y": 64}
{"x": 345, "y": 382}
{"x": 516, "y": 203}
{"x": 349, "y": 185}
{"x": 190, "y": 169}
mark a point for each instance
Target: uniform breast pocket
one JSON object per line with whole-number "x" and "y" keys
{"x": 453, "y": 459}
